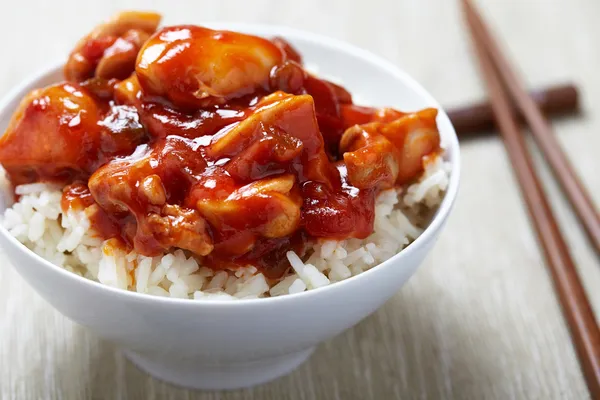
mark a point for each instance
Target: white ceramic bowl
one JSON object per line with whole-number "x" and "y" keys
{"x": 226, "y": 345}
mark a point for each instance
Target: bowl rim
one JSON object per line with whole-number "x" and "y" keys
{"x": 451, "y": 142}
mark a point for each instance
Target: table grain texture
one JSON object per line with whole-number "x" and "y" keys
{"x": 479, "y": 320}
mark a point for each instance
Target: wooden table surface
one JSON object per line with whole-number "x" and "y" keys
{"x": 479, "y": 320}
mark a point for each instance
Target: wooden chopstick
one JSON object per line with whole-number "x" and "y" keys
{"x": 542, "y": 132}
{"x": 477, "y": 119}
{"x": 571, "y": 294}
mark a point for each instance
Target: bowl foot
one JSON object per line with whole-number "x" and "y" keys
{"x": 195, "y": 374}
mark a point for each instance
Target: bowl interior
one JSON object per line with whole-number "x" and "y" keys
{"x": 371, "y": 79}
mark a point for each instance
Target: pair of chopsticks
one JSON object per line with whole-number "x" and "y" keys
{"x": 505, "y": 91}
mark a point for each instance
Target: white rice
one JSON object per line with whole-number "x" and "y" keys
{"x": 66, "y": 240}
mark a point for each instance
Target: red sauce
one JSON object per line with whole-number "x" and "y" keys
{"x": 216, "y": 142}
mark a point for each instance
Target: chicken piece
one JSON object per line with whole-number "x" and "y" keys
{"x": 370, "y": 157}
{"x": 53, "y": 135}
{"x": 149, "y": 185}
{"x": 195, "y": 67}
{"x": 328, "y": 97}
{"x": 271, "y": 154}
{"x": 371, "y": 160}
{"x": 121, "y": 126}
{"x": 101, "y": 89}
{"x": 128, "y": 91}
{"x": 113, "y": 184}
{"x": 358, "y": 115}
{"x": 267, "y": 208}
{"x": 118, "y": 61}
{"x": 177, "y": 227}
{"x": 61, "y": 133}
{"x": 416, "y": 136}
{"x": 110, "y": 50}
{"x": 288, "y": 77}
{"x": 288, "y": 50}
{"x": 286, "y": 125}
{"x": 121, "y": 132}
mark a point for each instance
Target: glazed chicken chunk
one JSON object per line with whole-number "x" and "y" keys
{"x": 71, "y": 132}
{"x": 371, "y": 160}
{"x": 282, "y": 128}
{"x": 61, "y": 132}
{"x": 150, "y": 186}
{"x": 110, "y": 50}
{"x": 387, "y": 153}
{"x": 267, "y": 208}
{"x": 62, "y": 122}
{"x": 194, "y": 66}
